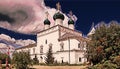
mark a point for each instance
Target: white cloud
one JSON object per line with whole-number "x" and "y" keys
{"x": 19, "y": 42}
{"x": 30, "y": 20}
{"x": 25, "y": 42}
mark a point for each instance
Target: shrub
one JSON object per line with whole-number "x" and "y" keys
{"x": 21, "y": 60}
{"x": 49, "y": 58}
{"x": 35, "y": 60}
{"x": 3, "y": 58}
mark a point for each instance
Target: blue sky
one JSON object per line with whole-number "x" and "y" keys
{"x": 87, "y": 11}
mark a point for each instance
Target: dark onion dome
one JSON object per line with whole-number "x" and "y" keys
{"x": 47, "y": 22}
{"x": 70, "y": 22}
{"x": 58, "y": 15}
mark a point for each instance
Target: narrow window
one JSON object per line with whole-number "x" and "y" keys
{"x": 79, "y": 45}
{"x": 29, "y": 50}
{"x": 41, "y": 49}
{"x": 85, "y": 44}
{"x": 46, "y": 41}
{"x": 33, "y": 50}
{"x": 61, "y": 46}
{"x": 50, "y": 45}
{"x": 79, "y": 59}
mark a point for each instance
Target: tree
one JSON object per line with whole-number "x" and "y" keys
{"x": 49, "y": 57}
{"x": 35, "y": 60}
{"x": 21, "y": 60}
{"x": 3, "y": 58}
{"x": 105, "y": 43}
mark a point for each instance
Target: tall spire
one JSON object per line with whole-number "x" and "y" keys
{"x": 92, "y": 30}
{"x": 92, "y": 25}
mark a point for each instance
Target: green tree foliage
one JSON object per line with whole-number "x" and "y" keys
{"x": 105, "y": 65}
{"x": 35, "y": 60}
{"x": 105, "y": 44}
{"x": 3, "y": 58}
{"x": 21, "y": 60}
{"x": 49, "y": 57}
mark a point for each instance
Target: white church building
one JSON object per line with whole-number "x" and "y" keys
{"x": 67, "y": 44}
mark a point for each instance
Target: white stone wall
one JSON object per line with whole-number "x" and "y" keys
{"x": 58, "y": 21}
{"x": 65, "y": 56}
{"x": 46, "y": 26}
{"x": 71, "y": 26}
{"x": 51, "y": 36}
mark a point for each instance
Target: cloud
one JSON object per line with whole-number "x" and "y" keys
{"x": 25, "y": 16}
{"x": 18, "y": 42}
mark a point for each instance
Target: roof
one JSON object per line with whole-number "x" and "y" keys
{"x": 62, "y": 27}
{"x": 71, "y": 36}
{"x": 92, "y": 30}
{"x": 70, "y": 21}
{"x": 58, "y": 15}
{"x": 46, "y": 22}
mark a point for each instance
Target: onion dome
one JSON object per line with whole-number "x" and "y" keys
{"x": 58, "y": 16}
{"x": 70, "y": 22}
{"x": 47, "y": 22}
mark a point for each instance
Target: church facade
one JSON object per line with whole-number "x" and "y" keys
{"x": 67, "y": 44}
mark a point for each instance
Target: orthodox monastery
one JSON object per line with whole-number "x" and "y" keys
{"x": 67, "y": 44}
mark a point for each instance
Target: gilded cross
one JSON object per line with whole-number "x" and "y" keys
{"x": 71, "y": 13}
{"x": 47, "y": 14}
{"x": 58, "y": 6}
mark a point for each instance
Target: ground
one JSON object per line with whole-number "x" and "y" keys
{"x": 58, "y": 67}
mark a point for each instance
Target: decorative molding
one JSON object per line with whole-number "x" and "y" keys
{"x": 47, "y": 33}
{"x": 68, "y": 30}
{"x": 74, "y": 50}
{"x": 47, "y": 29}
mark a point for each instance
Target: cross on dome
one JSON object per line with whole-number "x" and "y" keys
{"x": 47, "y": 14}
{"x": 58, "y": 6}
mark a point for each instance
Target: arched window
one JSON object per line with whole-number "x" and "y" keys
{"x": 78, "y": 45}
{"x": 41, "y": 49}
{"x": 29, "y": 50}
{"x": 61, "y": 46}
{"x": 81, "y": 45}
{"x": 33, "y": 50}
{"x": 46, "y": 41}
{"x": 50, "y": 45}
{"x": 80, "y": 59}
{"x": 41, "y": 57}
{"x": 84, "y": 44}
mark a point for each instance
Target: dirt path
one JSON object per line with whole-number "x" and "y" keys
{"x": 59, "y": 67}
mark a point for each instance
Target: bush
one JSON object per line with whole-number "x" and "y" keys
{"x": 105, "y": 65}
{"x": 3, "y": 58}
{"x": 35, "y": 60}
{"x": 104, "y": 48}
{"x": 21, "y": 60}
{"x": 117, "y": 61}
{"x": 49, "y": 58}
